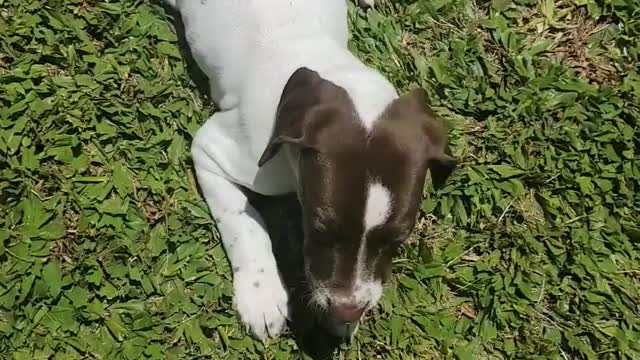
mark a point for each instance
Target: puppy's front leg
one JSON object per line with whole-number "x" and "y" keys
{"x": 259, "y": 294}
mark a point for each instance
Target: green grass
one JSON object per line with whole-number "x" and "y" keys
{"x": 531, "y": 252}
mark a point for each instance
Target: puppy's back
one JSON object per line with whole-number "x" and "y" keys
{"x": 227, "y": 37}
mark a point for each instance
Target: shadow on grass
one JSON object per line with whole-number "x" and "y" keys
{"x": 282, "y": 216}
{"x": 200, "y": 79}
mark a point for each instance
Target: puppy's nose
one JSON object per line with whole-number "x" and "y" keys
{"x": 347, "y": 313}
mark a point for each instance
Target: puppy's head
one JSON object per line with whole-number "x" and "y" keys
{"x": 359, "y": 188}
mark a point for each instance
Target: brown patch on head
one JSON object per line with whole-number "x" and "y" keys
{"x": 414, "y": 132}
{"x": 311, "y": 112}
{"x": 338, "y": 159}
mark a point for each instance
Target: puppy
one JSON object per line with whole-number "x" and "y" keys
{"x": 299, "y": 113}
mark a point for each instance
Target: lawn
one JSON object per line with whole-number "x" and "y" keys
{"x": 532, "y": 250}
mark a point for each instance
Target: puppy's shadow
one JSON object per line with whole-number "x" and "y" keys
{"x": 199, "y": 78}
{"x": 282, "y": 216}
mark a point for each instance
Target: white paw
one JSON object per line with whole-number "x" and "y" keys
{"x": 262, "y": 301}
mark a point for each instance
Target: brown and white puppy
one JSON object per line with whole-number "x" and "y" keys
{"x": 299, "y": 113}
{"x": 359, "y": 188}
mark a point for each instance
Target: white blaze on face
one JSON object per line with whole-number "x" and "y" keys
{"x": 368, "y": 290}
{"x": 378, "y": 206}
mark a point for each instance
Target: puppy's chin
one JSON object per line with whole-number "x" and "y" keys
{"x": 340, "y": 329}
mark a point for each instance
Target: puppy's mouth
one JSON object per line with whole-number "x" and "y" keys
{"x": 342, "y": 324}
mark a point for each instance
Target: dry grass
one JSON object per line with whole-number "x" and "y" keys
{"x": 574, "y": 48}
{"x": 571, "y": 30}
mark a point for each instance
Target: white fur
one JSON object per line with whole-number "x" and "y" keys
{"x": 249, "y": 49}
{"x": 377, "y": 211}
{"x": 263, "y": 308}
{"x": 368, "y": 290}
{"x": 378, "y": 206}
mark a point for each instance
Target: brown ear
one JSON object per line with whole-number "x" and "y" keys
{"x": 441, "y": 168}
{"x": 415, "y": 105}
{"x": 302, "y": 97}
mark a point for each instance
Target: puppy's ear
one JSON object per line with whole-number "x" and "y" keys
{"x": 441, "y": 167}
{"x": 306, "y": 104}
{"x": 414, "y": 108}
{"x": 366, "y": 4}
